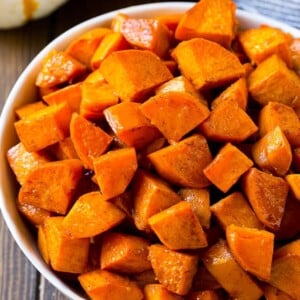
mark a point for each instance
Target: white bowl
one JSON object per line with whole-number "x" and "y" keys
{"x": 24, "y": 91}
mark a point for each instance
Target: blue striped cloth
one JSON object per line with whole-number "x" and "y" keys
{"x": 287, "y": 11}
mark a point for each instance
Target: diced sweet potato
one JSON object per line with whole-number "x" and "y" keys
{"x": 151, "y": 195}
{"x": 159, "y": 292}
{"x": 89, "y": 140}
{"x": 221, "y": 264}
{"x": 177, "y": 279}
{"x": 124, "y": 253}
{"x": 27, "y": 109}
{"x": 42, "y": 244}
{"x": 91, "y": 215}
{"x": 44, "y": 127}
{"x": 207, "y": 64}
{"x": 162, "y": 108}
{"x": 227, "y": 167}
{"x": 130, "y": 125}
{"x": 183, "y": 162}
{"x": 177, "y": 227}
{"x": 35, "y": 215}
{"x": 267, "y": 195}
{"x": 51, "y": 185}
{"x": 102, "y": 284}
{"x": 204, "y": 295}
{"x": 64, "y": 149}
{"x": 218, "y": 22}
{"x": 273, "y": 81}
{"x": 203, "y": 280}
{"x": 257, "y": 260}
{"x": 234, "y": 209}
{"x": 170, "y": 20}
{"x": 114, "y": 171}
{"x": 272, "y": 293}
{"x": 128, "y": 72}
{"x": 294, "y": 183}
{"x": 144, "y": 278}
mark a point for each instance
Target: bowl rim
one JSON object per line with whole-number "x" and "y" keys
{"x": 21, "y": 234}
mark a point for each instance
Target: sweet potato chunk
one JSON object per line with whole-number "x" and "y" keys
{"x": 128, "y": 73}
{"x": 177, "y": 279}
{"x": 151, "y": 195}
{"x": 162, "y": 108}
{"x": 42, "y": 244}
{"x": 35, "y": 215}
{"x": 102, "y": 284}
{"x": 267, "y": 195}
{"x": 227, "y": 167}
{"x": 221, "y": 264}
{"x": 91, "y": 215}
{"x": 51, "y": 185}
{"x": 124, "y": 253}
{"x": 272, "y": 293}
{"x": 29, "y": 108}
{"x": 256, "y": 261}
{"x": 177, "y": 227}
{"x": 64, "y": 149}
{"x": 294, "y": 183}
{"x": 183, "y": 162}
{"x": 159, "y": 292}
{"x": 207, "y": 64}
{"x": 214, "y": 15}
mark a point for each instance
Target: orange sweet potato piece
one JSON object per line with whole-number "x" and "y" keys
{"x": 133, "y": 74}
{"x": 65, "y": 254}
{"x": 91, "y": 215}
{"x": 51, "y": 185}
{"x": 159, "y": 292}
{"x": 151, "y": 195}
{"x": 183, "y": 162}
{"x": 144, "y": 278}
{"x": 27, "y": 109}
{"x": 286, "y": 268}
{"x": 204, "y": 295}
{"x": 170, "y": 20}
{"x": 294, "y": 183}
{"x": 278, "y": 114}
{"x": 64, "y": 149}
{"x": 203, "y": 280}
{"x": 258, "y": 260}
{"x": 102, "y": 284}
{"x": 218, "y": 22}
{"x": 44, "y": 127}
{"x": 124, "y": 253}
{"x": 114, "y": 171}
{"x": 89, "y": 140}
{"x": 148, "y": 34}
{"x": 35, "y": 215}
{"x": 200, "y": 202}
{"x": 220, "y": 262}
{"x": 267, "y": 195}
{"x": 234, "y": 209}
{"x": 273, "y": 81}
{"x": 162, "y": 108}
{"x": 272, "y": 293}
{"x": 228, "y": 122}
{"x": 273, "y": 152}
{"x": 207, "y": 64}
{"x": 177, "y": 279}
{"x": 58, "y": 68}
{"x": 227, "y": 167}
{"x": 42, "y": 244}
{"x": 130, "y": 125}
{"x": 177, "y": 227}
{"x": 296, "y": 159}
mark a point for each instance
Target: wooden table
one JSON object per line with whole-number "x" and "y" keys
{"x": 18, "y": 278}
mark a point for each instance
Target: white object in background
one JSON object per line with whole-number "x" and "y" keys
{"x": 15, "y": 13}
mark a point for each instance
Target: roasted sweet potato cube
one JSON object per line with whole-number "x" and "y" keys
{"x": 200, "y": 202}
{"x": 91, "y": 215}
{"x": 102, "y": 284}
{"x": 115, "y": 170}
{"x": 170, "y": 20}
{"x": 228, "y": 122}
{"x": 177, "y": 279}
{"x": 227, "y": 167}
{"x": 124, "y": 253}
{"x": 235, "y": 209}
{"x": 128, "y": 73}
{"x": 207, "y": 64}
{"x": 267, "y": 195}
{"x": 151, "y": 195}
{"x": 89, "y": 140}
{"x": 183, "y": 162}
{"x": 273, "y": 81}
{"x": 220, "y": 262}
{"x": 278, "y": 114}
{"x": 178, "y": 228}
{"x": 35, "y": 215}
{"x": 66, "y": 254}
{"x": 159, "y": 292}
{"x": 162, "y": 108}
{"x": 286, "y": 268}
{"x": 204, "y": 295}
{"x": 294, "y": 183}
{"x": 130, "y": 125}
{"x": 44, "y": 127}
{"x": 27, "y": 109}
{"x": 256, "y": 261}
{"x": 214, "y": 15}
{"x": 272, "y": 293}
{"x": 51, "y": 185}
{"x": 144, "y": 278}
{"x": 64, "y": 149}
{"x": 42, "y": 243}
